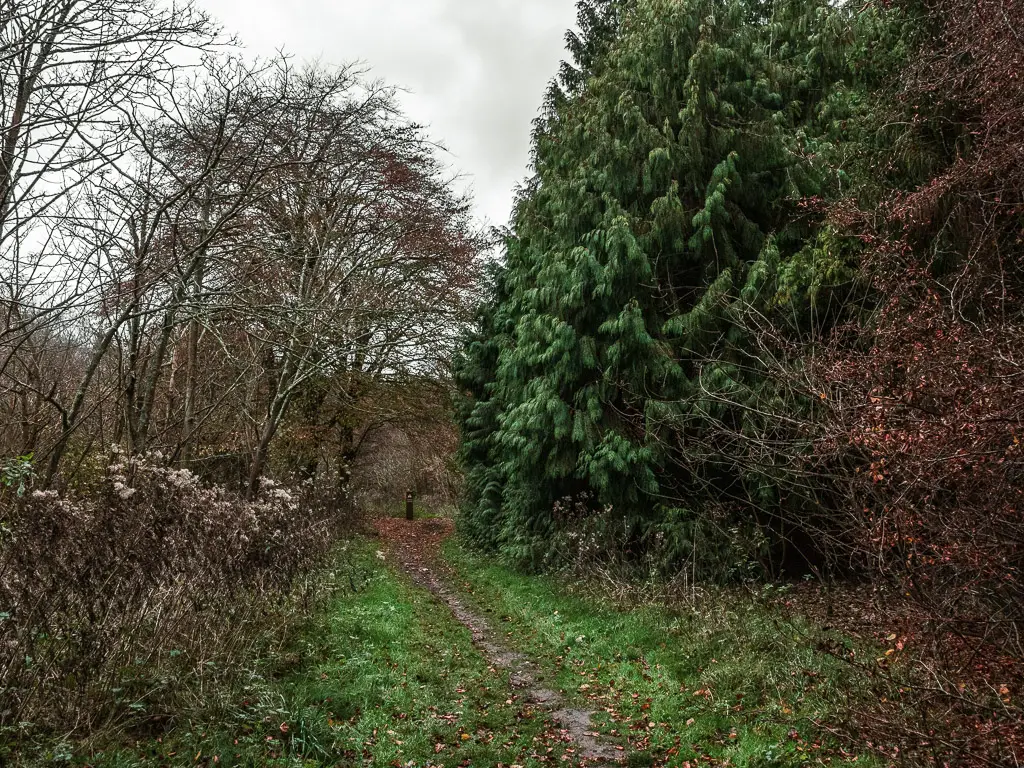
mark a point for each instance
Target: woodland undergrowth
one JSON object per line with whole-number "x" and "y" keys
{"x": 142, "y": 596}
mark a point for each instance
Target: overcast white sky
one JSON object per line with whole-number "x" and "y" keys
{"x": 476, "y": 70}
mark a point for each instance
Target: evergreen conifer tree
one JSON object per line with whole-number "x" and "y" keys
{"x": 664, "y": 219}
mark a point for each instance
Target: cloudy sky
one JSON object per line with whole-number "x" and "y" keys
{"x": 475, "y": 70}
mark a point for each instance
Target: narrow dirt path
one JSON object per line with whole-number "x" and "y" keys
{"x": 416, "y": 547}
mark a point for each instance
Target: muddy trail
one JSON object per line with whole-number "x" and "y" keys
{"x": 415, "y": 546}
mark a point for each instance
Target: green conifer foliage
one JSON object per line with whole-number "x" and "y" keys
{"x": 477, "y": 412}
{"x": 663, "y": 219}
{"x": 599, "y": 22}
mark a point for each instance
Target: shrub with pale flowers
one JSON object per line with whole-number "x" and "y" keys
{"x": 153, "y": 565}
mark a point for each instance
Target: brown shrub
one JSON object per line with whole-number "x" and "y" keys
{"x": 106, "y": 598}
{"x": 925, "y": 415}
{"x": 923, "y": 407}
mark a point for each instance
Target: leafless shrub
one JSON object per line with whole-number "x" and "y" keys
{"x": 102, "y": 595}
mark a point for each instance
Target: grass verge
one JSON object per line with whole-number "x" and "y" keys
{"x": 383, "y": 677}
{"x": 728, "y": 683}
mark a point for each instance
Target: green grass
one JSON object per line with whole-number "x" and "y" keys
{"x": 729, "y": 683}
{"x": 384, "y": 677}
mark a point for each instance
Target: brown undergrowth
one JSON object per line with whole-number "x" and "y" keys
{"x": 134, "y": 602}
{"x": 939, "y": 698}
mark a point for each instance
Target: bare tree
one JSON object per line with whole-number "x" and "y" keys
{"x": 76, "y": 75}
{"x": 190, "y": 241}
{"x": 362, "y": 254}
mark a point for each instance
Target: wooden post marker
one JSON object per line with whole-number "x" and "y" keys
{"x": 408, "y": 505}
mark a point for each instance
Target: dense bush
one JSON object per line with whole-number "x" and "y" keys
{"x": 109, "y": 596}
{"x": 926, "y": 410}
{"x": 680, "y": 554}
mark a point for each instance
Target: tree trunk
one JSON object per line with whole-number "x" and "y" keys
{"x": 69, "y": 418}
{"x": 267, "y": 432}
{"x": 145, "y": 415}
{"x": 194, "y": 331}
